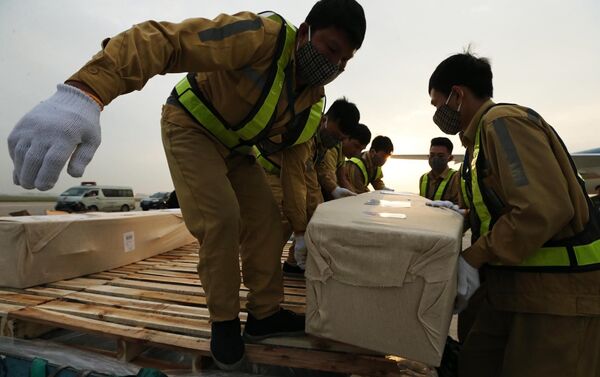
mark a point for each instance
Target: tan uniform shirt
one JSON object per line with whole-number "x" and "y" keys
{"x": 300, "y": 189}
{"x": 357, "y": 179}
{"x": 232, "y": 55}
{"x": 529, "y": 172}
{"x": 328, "y": 166}
{"x": 452, "y": 192}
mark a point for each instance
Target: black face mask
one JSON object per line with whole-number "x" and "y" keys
{"x": 438, "y": 164}
{"x": 448, "y": 119}
{"x": 313, "y": 67}
{"x": 327, "y": 140}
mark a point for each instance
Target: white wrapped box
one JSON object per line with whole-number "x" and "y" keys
{"x": 41, "y": 249}
{"x": 382, "y": 275}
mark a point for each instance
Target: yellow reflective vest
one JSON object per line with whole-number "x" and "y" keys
{"x": 363, "y": 168}
{"x": 578, "y": 253}
{"x": 305, "y": 127}
{"x": 441, "y": 189}
{"x": 255, "y": 127}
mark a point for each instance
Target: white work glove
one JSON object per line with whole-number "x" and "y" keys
{"x": 468, "y": 282}
{"x": 300, "y": 251}
{"x": 340, "y": 192}
{"x": 446, "y": 204}
{"x": 65, "y": 126}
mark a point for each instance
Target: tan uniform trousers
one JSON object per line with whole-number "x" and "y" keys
{"x": 227, "y": 205}
{"x": 314, "y": 199}
{"x": 509, "y": 344}
{"x": 467, "y": 317}
{"x": 286, "y": 228}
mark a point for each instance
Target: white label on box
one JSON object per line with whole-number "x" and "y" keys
{"x": 389, "y": 203}
{"x": 387, "y": 215}
{"x": 128, "y": 241}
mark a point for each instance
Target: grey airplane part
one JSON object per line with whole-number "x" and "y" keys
{"x": 587, "y": 162}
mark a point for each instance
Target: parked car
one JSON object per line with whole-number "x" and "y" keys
{"x": 92, "y": 197}
{"x": 158, "y": 200}
{"x": 173, "y": 202}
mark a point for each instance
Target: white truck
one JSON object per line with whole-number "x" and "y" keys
{"x": 92, "y": 197}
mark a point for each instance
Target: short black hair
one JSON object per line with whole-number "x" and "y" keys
{"x": 362, "y": 134}
{"x": 463, "y": 69}
{"x": 346, "y": 15}
{"x": 382, "y": 143}
{"x": 345, "y": 113}
{"x": 442, "y": 142}
{"x": 597, "y": 187}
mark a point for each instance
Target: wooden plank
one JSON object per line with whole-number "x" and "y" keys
{"x": 165, "y": 279}
{"x": 7, "y": 308}
{"x": 29, "y": 330}
{"x": 270, "y": 355}
{"x": 145, "y": 310}
{"x": 193, "y": 282}
{"x": 107, "y": 275}
{"x": 127, "y": 351}
{"x": 19, "y": 329}
{"x": 52, "y": 292}
{"x": 159, "y": 296}
{"x": 18, "y": 298}
{"x": 128, "y": 268}
{"x": 201, "y": 362}
{"x": 94, "y": 326}
{"x": 160, "y": 272}
{"x": 315, "y": 343}
{"x": 188, "y": 326}
{"x": 187, "y": 289}
{"x": 171, "y": 267}
{"x": 164, "y": 287}
{"x": 140, "y": 305}
{"x": 77, "y": 283}
{"x": 141, "y": 294}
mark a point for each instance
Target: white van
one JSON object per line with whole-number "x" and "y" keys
{"x": 91, "y": 197}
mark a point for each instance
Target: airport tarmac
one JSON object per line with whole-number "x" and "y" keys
{"x": 34, "y": 208}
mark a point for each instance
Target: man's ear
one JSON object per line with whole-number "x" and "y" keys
{"x": 450, "y": 158}
{"x": 302, "y": 34}
{"x": 324, "y": 121}
{"x": 459, "y": 90}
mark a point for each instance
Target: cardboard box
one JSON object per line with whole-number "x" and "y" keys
{"x": 381, "y": 274}
{"x": 41, "y": 249}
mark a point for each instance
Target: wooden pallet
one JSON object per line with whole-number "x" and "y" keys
{"x": 159, "y": 302}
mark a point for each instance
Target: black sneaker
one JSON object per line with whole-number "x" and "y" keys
{"x": 283, "y": 323}
{"x": 226, "y": 344}
{"x": 292, "y": 271}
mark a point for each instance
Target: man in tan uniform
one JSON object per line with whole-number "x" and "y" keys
{"x": 534, "y": 234}
{"x": 293, "y": 180}
{"x": 366, "y": 169}
{"x": 441, "y": 182}
{"x": 254, "y": 74}
{"x": 330, "y": 167}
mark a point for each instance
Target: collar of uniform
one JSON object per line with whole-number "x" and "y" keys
{"x": 468, "y": 137}
{"x": 442, "y": 176}
{"x": 320, "y": 149}
{"x": 366, "y": 157}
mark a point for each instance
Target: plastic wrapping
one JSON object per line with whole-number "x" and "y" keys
{"x": 61, "y": 355}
